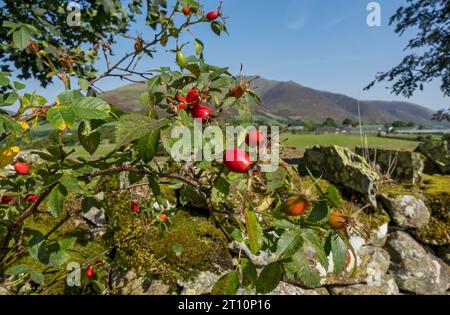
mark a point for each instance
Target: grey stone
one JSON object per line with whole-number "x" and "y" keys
{"x": 130, "y": 283}
{"x": 96, "y": 216}
{"x": 415, "y": 270}
{"x": 407, "y": 211}
{"x": 343, "y": 167}
{"x": 387, "y": 286}
{"x": 437, "y": 155}
{"x": 202, "y": 284}
{"x": 285, "y": 288}
{"x": 404, "y": 166}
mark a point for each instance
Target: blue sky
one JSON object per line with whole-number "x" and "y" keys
{"x": 323, "y": 44}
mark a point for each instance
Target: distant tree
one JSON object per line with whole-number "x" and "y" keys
{"x": 421, "y": 127}
{"x": 442, "y": 115}
{"x": 309, "y": 125}
{"x": 399, "y": 124}
{"x": 430, "y": 58}
{"x": 329, "y": 122}
{"x": 347, "y": 122}
{"x": 410, "y": 124}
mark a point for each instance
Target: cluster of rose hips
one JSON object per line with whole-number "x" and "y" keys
{"x": 21, "y": 168}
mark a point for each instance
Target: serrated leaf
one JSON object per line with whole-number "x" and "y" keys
{"x": 68, "y": 98}
{"x": 37, "y": 277}
{"x": 249, "y": 273}
{"x": 301, "y": 269}
{"x": 61, "y": 117}
{"x": 92, "y": 108}
{"x": 269, "y": 278}
{"x": 332, "y": 194}
{"x": 275, "y": 179}
{"x": 70, "y": 182}
{"x": 84, "y": 84}
{"x": 339, "y": 251}
{"x": 289, "y": 244}
{"x": 56, "y": 199}
{"x": 319, "y": 212}
{"x": 148, "y": 145}
{"x": 18, "y": 269}
{"x": 312, "y": 242}
{"x": 198, "y": 46}
{"x": 134, "y": 126}
{"x": 254, "y": 230}
{"x": 21, "y": 38}
{"x": 90, "y": 141}
{"x": 227, "y": 285}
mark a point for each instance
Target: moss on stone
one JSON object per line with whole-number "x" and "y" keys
{"x": 436, "y": 190}
{"x": 204, "y": 246}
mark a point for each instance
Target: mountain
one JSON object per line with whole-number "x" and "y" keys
{"x": 292, "y": 101}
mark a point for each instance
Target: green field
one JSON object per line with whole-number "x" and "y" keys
{"x": 301, "y": 142}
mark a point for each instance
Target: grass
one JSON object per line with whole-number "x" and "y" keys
{"x": 302, "y": 141}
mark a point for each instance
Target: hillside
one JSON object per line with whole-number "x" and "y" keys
{"x": 290, "y": 100}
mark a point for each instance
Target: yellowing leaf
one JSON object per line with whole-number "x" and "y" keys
{"x": 8, "y": 154}
{"x": 24, "y": 125}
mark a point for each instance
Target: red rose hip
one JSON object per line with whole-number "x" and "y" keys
{"x": 135, "y": 207}
{"x": 237, "y": 160}
{"x": 21, "y": 168}
{"x": 193, "y": 97}
{"x": 201, "y": 112}
{"x": 6, "y": 200}
{"x": 31, "y": 198}
{"x": 163, "y": 216}
{"x": 211, "y": 16}
{"x": 90, "y": 272}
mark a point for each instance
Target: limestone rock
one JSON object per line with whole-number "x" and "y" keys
{"x": 387, "y": 286}
{"x": 341, "y": 166}
{"x": 438, "y": 156}
{"x": 415, "y": 270}
{"x": 202, "y": 284}
{"x": 130, "y": 283}
{"x": 285, "y": 288}
{"x": 407, "y": 211}
{"x": 405, "y": 166}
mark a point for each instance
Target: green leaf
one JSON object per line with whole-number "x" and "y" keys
{"x": 312, "y": 243}
{"x": 70, "y": 182}
{"x": 92, "y": 108}
{"x": 319, "y": 212}
{"x": 61, "y": 117}
{"x": 249, "y": 273}
{"x": 148, "y": 146}
{"x": 37, "y": 277}
{"x": 269, "y": 278}
{"x": 339, "y": 251}
{"x": 289, "y": 244}
{"x": 198, "y": 46}
{"x": 89, "y": 141}
{"x": 333, "y": 196}
{"x": 4, "y": 81}
{"x": 300, "y": 268}
{"x": 18, "y": 269}
{"x": 55, "y": 200}
{"x": 254, "y": 230}
{"x": 68, "y": 98}
{"x": 275, "y": 179}
{"x": 177, "y": 249}
{"x": 134, "y": 126}
{"x": 9, "y": 24}
{"x": 84, "y": 84}
{"x": 19, "y": 86}
{"x": 153, "y": 83}
{"x": 21, "y": 38}
{"x": 194, "y": 69}
{"x": 227, "y": 285}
